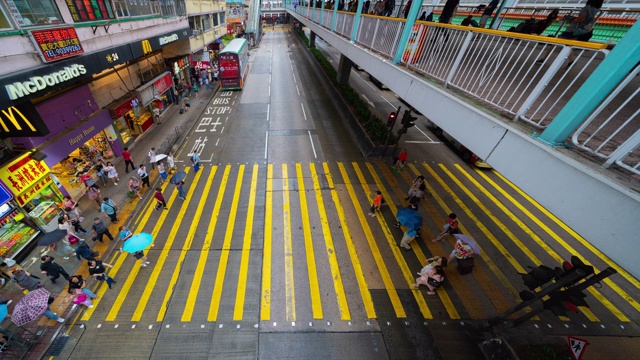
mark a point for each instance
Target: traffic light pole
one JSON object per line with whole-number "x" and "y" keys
{"x": 386, "y": 142}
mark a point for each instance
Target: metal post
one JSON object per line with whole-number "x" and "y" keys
{"x": 335, "y": 16}
{"x": 386, "y": 141}
{"x": 408, "y": 26}
{"x": 356, "y": 21}
{"x": 602, "y": 81}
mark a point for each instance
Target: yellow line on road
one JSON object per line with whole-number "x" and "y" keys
{"x": 314, "y": 287}
{"x": 187, "y": 244}
{"x": 341, "y": 297}
{"x": 265, "y": 299}
{"x": 288, "y": 247}
{"x": 377, "y": 256}
{"x": 547, "y": 248}
{"x": 159, "y": 264}
{"x": 126, "y": 287}
{"x": 226, "y": 247}
{"x": 204, "y": 251}
{"x": 246, "y": 248}
{"x": 353, "y": 253}
{"x": 393, "y": 243}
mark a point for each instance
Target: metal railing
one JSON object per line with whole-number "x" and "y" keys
{"x": 524, "y": 77}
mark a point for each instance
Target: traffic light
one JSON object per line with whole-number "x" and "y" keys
{"x": 391, "y": 120}
{"x": 407, "y": 119}
{"x": 538, "y": 277}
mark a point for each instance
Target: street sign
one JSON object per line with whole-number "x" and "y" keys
{"x": 577, "y": 346}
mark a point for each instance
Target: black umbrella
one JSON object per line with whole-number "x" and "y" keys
{"x": 52, "y": 237}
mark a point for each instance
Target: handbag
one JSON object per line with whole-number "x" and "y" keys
{"x": 73, "y": 239}
{"x": 433, "y": 282}
{"x": 80, "y": 299}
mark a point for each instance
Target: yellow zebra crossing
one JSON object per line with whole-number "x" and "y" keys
{"x": 292, "y": 242}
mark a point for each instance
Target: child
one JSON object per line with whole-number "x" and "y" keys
{"x": 377, "y": 202}
{"x": 402, "y": 159}
{"x": 451, "y": 227}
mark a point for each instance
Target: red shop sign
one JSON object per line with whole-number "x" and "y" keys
{"x": 58, "y": 43}
{"x": 163, "y": 84}
{"x": 125, "y": 108}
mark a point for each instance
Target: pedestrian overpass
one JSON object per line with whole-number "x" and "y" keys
{"x": 567, "y": 133}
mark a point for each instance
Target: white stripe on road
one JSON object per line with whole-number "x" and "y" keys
{"x": 266, "y": 144}
{"x": 312, "y": 146}
{"x": 303, "y": 113}
{"x": 298, "y": 89}
{"x": 268, "y": 111}
{"x": 427, "y": 136}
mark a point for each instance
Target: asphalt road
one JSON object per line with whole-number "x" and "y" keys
{"x": 272, "y": 255}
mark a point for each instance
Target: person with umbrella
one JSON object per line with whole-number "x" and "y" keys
{"x": 162, "y": 171}
{"x": 53, "y": 241}
{"x": 408, "y": 237}
{"x": 171, "y": 164}
{"x": 152, "y": 154}
{"x": 31, "y": 306}
{"x": 52, "y": 269}
{"x": 462, "y": 249}
{"x": 136, "y": 244}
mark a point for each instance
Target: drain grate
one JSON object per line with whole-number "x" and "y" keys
{"x": 58, "y": 344}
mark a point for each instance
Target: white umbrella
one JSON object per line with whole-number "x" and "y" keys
{"x": 472, "y": 243}
{"x": 158, "y": 158}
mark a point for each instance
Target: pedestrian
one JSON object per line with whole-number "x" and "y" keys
{"x": 410, "y": 206}
{"x": 206, "y": 83}
{"x": 377, "y": 202}
{"x": 98, "y": 269}
{"x": 87, "y": 180}
{"x": 52, "y": 269}
{"x": 63, "y": 247}
{"x": 126, "y": 155}
{"x": 451, "y": 227}
{"x": 51, "y": 315}
{"x": 432, "y": 279}
{"x": 124, "y": 234}
{"x": 418, "y": 194}
{"x": 144, "y": 177}
{"x": 408, "y": 237}
{"x": 181, "y": 193}
{"x": 195, "y": 89}
{"x": 64, "y": 225}
{"x": 433, "y": 262}
{"x": 461, "y": 251}
{"x": 195, "y": 159}
{"x": 5, "y": 273}
{"x": 152, "y": 156}
{"x": 83, "y": 251}
{"x": 186, "y": 104}
{"x": 139, "y": 255}
{"x": 406, "y": 8}
{"x": 25, "y": 280}
{"x": 83, "y": 299}
{"x": 68, "y": 202}
{"x": 112, "y": 173}
{"x": 134, "y": 186}
{"x": 488, "y": 10}
{"x": 109, "y": 207}
{"x": 74, "y": 220}
{"x": 156, "y": 115}
{"x": 419, "y": 180}
{"x": 171, "y": 164}
{"x": 400, "y": 161}
{"x": 162, "y": 171}
{"x": 160, "y": 199}
{"x": 102, "y": 175}
{"x": 94, "y": 194}
{"x": 77, "y": 285}
{"x": 99, "y": 230}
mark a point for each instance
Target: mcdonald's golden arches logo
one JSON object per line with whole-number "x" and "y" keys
{"x": 146, "y": 47}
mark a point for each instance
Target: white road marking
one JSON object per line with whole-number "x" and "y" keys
{"x": 312, "y": 146}
{"x": 198, "y": 146}
{"x": 268, "y": 111}
{"x": 266, "y": 145}
{"x": 269, "y": 90}
{"x": 427, "y": 136}
{"x": 269, "y": 78}
{"x": 298, "y": 89}
{"x": 385, "y": 99}
{"x": 217, "y": 141}
{"x": 303, "y": 113}
{"x": 367, "y": 100}
{"x": 294, "y": 78}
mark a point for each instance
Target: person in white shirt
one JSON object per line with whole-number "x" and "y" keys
{"x": 144, "y": 177}
{"x": 152, "y": 155}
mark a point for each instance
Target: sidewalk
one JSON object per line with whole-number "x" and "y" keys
{"x": 173, "y": 126}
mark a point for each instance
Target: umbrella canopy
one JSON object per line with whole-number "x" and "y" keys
{"x": 159, "y": 157}
{"x": 52, "y": 237}
{"x": 409, "y": 217}
{"x": 4, "y": 310}
{"x": 138, "y": 242}
{"x": 474, "y": 245}
{"x": 31, "y": 306}
{"x": 177, "y": 177}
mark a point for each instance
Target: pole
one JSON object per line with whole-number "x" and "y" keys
{"x": 386, "y": 141}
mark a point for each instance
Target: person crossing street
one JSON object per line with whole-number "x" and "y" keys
{"x": 144, "y": 177}
{"x": 51, "y": 269}
{"x": 160, "y": 199}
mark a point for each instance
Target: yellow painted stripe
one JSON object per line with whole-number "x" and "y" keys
{"x": 375, "y": 251}
{"x": 246, "y": 248}
{"x": 314, "y": 287}
{"x": 187, "y": 313}
{"x": 341, "y": 297}
{"x": 353, "y": 253}
{"x": 186, "y": 246}
{"x": 265, "y": 299}
{"x": 159, "y": 264}
{"x": 393, "y": 243}
{"x": 126, "y": 287}
{"x": 505, "y": 229}
{"x": 444, "y": 297}
{"x": 558, "y": 258}
{"x": 288, "y": 247}
{"x": 226, "y": 246}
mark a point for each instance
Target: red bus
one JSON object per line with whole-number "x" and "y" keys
{"x": 233, "y": 62}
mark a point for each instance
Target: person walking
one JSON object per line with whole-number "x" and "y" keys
{"x": 98, "y": 269}
{"x": 102, "y": 175}
{"x": 68, "y": 202}
{"x": 74, "y": 220}
{"x": 171, "y": 164}
{"x": 162, "y": 171}
{"x": 77, "y": 285}
{"x": 63, "y": 247}
{"x": 51, "y": 315}
{"x": 451, "y": 227}
{"x": 432, "y": 279}
{"x": 109, "y": 207}
{"x": 144, "y": 177}
{"x": 152, "y": 155}
{"x": 408, "y": 237}
{"x": 134, "y": 186}
{"x": 419, "y": 180}
{"x": 52, "y": 269}
{"x": 181, "y": 193}
{"x": 402, "y": 159}
{"x": 25, "y": 280}
{"x": 112, "y": 173}
{"x": 83, "y": 251}
{"x": 124, "y": 234}
{"x": 195, "y": 160}
{"x": 94, "y": 194}
{"x": 99, "y": 230}
{"x": 126, "y": 156}
{"x": 377, "y": 202}
{"x": 195, "y": 89}
{"x": 418, "y": 194}
{"x": 160, "y": 199}
{"x": 488, "y": 10}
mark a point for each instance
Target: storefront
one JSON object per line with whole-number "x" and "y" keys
{"x": 180, "y": 69}
{"x": 156, "y": 95}
{"x": 33, "y": 206}
{"x": 124, "y": 112}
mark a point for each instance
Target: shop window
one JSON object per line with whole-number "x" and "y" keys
{"x": 35, "y": 12}
{"x": 5, "y": 24}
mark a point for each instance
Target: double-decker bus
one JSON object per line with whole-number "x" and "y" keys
{"x": 233, "y": 62}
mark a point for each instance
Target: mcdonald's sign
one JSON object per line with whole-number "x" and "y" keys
{"x": 21, "y": 120}
{"x": 146, "y": 47}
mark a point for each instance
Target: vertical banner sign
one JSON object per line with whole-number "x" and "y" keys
{"x": 82, "y": 10}
{"x": 56, "y": 44}
{"x": 25, "y": 178}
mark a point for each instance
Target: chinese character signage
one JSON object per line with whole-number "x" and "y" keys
{"x": 82, "y": 10}
{"x": 56, "y": 44}
{"x": 25, "y": 177}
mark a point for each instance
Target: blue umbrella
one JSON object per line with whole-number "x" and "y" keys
{"x": 138, "y": 242}
{"x": 3, "y": 311}
{"x": 177, "y": 177}
{"x": 409, "y": 217}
